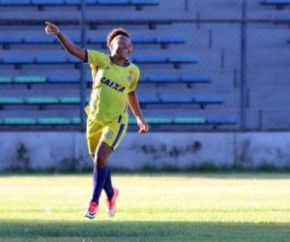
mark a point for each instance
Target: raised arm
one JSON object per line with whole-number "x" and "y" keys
{"x": 134, "y": 106}
{"x": 72, "y": 48}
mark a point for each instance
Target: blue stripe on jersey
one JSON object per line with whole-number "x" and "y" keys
{"x": 118, "y": 136}
{"x": 119, "y": 119}
{"x": 86, "y": 57}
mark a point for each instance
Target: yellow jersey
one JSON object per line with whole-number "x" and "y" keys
{"x": 111, "y": 85}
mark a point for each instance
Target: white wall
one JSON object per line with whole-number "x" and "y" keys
{"x": 52, "y": 150}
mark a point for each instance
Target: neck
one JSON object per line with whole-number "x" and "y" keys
{"x": 118, "y": 60}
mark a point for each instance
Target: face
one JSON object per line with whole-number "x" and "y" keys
{"x": 121, "y": 46}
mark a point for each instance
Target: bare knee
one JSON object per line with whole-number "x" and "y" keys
{"x": 100, "y": 161}
{"x": 102, "y": 155}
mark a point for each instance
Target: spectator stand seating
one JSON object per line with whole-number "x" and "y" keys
{"x": 29, "y": 81}
{"x": 42, "y": 101}
{"x": 18, "y": 59}
{"x": 59, "y": 78}
{"x": 139, "y": 4}
{"x": 40, "y": 38}
{"x": 279, "y": 4}
{"x": 190, "y": 121}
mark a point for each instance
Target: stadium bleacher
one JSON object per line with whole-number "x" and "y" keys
{"x": 152, "y": 99}
{"x": 37, "y": 92}
{"x": 40, "y": 38}
{"x": 75, "y": 79}
{"x": 139, "y": 4}
{"x": 279, "y": 4}
{"x": 50, "y": 58}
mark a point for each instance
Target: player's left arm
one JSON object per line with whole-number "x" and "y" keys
{"x": 136, "y": 110}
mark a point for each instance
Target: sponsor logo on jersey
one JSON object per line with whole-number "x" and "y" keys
{"x": 116, "y": 86}
{"x": 129, "y": 78}
{"x": 109, "y": 134}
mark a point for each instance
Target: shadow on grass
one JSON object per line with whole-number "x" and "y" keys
{"x": 95, "y": 230}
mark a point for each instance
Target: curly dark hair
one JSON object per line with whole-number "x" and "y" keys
{"x": 114, "y": 33}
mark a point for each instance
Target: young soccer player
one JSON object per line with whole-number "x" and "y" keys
{"x": 114, "y": 83}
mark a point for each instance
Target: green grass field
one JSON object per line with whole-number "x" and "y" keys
{"x": 197, "y": 207}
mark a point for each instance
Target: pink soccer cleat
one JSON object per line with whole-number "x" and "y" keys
{"x": 92, "y": 210}
{"x": 111, "y": 203}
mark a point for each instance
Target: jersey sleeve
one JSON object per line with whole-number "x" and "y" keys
{"x": 95, "y": 58}
{"x": 135, "y": 80}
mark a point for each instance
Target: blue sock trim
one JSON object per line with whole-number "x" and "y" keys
{"x": 108, "y": 187}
